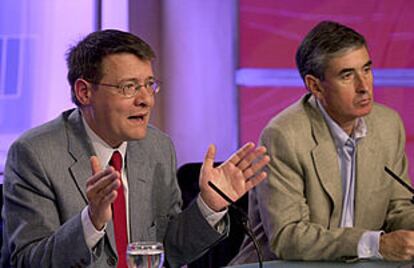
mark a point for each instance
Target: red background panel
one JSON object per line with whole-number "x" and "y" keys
{"x": 259, "y": 105}
{"x": 270, "y": 31}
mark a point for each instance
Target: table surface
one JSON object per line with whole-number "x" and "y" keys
{"x": 358, "y": 264}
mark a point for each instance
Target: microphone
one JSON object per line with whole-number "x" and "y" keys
{"x": 242, "y": 218}
{"x": 400, "y": 181}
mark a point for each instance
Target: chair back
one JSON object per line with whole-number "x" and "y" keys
{"x": 222, "y": 253}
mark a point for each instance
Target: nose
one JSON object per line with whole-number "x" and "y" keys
{"x": 363, "y": 83}
{"x": 144, "y": 98}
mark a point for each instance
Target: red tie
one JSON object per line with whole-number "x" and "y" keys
{"x": 119, "y": 214}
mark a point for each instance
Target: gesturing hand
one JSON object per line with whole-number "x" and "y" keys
{"x": 101, "y": 192}
{"x": 234, "y": 177}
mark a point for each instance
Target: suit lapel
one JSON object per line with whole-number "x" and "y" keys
{"x": 81, "y": 150}
{"x": 365, "y": 174}
{"x": 139, "y": 171}
{"x": 326, "y": 162}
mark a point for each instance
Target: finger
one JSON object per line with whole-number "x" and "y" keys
{"x": 102, "y": 183}
{"x": 110, "y": 193}
{"x": 210, "y": 156}
{"x": 251, "y": 157}
{"x": 241, "y": 153}
{"x": 100, "y": 175}
{"x": 103, "y": 188}
{"x": 109, "y": 198}
{"x": 95, "y": 165}
{"x": 255, "y": 180}
{"x": 107, "y": 188}
{"x": 256, "y": 166}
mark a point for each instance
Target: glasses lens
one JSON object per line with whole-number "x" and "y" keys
{"x": 129, "y": 89}
{"x": 154, "y": 85}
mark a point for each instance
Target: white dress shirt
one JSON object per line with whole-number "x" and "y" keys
{"x": 104, "y": 152}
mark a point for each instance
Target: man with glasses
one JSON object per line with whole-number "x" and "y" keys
{"x": 82, "y": 186}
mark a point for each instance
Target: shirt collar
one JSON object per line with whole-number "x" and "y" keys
{"x": 339, "y": 135}
{"x": 102, "y": 149}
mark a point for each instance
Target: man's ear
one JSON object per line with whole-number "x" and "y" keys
{"x": 82, "y": 91}
{"x": 313, "y": 85}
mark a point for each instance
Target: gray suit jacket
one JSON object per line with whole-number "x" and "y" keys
{"x": 296, "y": 212}
{"x": 45, "y": 191}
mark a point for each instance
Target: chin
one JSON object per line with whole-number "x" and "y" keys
{"x": 365, "y": 110}
{"x": 135, "y": 135}
{"x": 141, "y": 135}
{"x": 364, "y": 113}
{"x": 368, "y": 109}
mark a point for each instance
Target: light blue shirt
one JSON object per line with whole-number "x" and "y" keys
{"x": 346, "y": 147}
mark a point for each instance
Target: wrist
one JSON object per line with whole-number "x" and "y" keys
{"x": 211, "y": 205}
{"x": 99, "y": 225}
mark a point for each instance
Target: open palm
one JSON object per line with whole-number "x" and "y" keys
{"x": 236, "y": 176}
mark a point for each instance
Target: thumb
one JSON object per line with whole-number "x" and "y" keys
{"x": 209, "y": 157}
{"x": 95, "y": 165}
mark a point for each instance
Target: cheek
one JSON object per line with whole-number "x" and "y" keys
{"x": 150, "y": 102}
{"x": 113, "y": 113}
{"x": 340, "y": 102}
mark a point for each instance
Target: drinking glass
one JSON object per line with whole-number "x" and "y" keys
{"x": 145, "y": 254}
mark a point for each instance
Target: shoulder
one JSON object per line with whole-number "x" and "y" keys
{"x": 290, "y": 131}
{"x": 382, "y": 112}
{"x": 46, "y": 135}
{"x": 384, "y": 124}
{"x": 39, "y": 150}
{"x": 384, "y": 118}
{"x": 293, "y": 120}
{"x": 155, "y": 143}
{"x": 156, "y": 136}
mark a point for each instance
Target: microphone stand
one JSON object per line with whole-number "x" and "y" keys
{"x": 401, "y": 181}
{"x": 241, "y": 218}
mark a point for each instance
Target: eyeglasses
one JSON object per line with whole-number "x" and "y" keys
{"x": 131, "y": 88}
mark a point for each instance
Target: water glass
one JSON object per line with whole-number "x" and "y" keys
{"x": 145, "y": 254}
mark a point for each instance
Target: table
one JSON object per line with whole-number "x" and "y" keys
{"x": 319, "y": 264}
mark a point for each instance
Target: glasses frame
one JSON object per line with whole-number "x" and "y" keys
{"x": 122, "y": 86}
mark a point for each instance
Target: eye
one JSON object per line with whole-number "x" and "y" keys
{"x": 367, "y": 69}
{"x": 154, "y": 84}
{"x": 129, "y": 86}
{"x": 150, "y": 83}
{"x": 346, "y": 75}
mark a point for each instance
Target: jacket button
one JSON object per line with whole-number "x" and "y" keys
{"x": 111, "y": 261}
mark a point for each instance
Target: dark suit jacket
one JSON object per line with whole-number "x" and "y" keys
{"x": 45, "y": 192}
{"x": 296, "y": 212}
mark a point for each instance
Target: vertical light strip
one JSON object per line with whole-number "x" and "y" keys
{"x": 2, "y": 64}
{"x": 115, "y": 14}
{"x": 98, "y": 15}
{"x": 198, "y": 73}
{"x": 56, "y": 29}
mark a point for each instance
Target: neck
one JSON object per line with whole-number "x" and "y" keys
{"x": 348, "y": 127}
{"x": 89, "y": 119}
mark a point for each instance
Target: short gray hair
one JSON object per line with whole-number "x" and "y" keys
{"x": 326, "y": 40}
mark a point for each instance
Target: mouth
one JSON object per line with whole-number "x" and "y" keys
{"x": 364, "y": 102}
{"x": 138, "y": 118}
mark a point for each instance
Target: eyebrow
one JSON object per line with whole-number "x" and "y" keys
{"x": 369, "y": 63}
{"x": 136, "y": 80}
{"x": 346, "y": 70}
